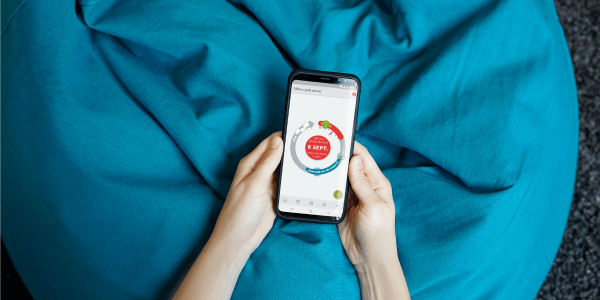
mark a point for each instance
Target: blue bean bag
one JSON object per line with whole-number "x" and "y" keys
{"x": 123, "y": 123}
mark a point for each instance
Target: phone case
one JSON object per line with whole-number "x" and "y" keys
{"x": 303, "y": 217}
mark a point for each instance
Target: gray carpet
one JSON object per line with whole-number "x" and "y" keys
{"x": 575, "y": 272}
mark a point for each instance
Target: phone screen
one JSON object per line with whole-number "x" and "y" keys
{"x": 318, "y": 140}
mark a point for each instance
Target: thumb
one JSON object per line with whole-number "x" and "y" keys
{"x": 360, "y": 183}
{"x": 269, "y": 161}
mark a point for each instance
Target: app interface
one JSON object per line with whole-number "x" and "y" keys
{"x": 315, "y": 162}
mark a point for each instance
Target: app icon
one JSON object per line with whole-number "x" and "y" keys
{"x": 323, "y": 204}
{"x": 310, "y": 203}
{"x": 284, "y": 200}
{"x": 354, "y": 94}
{"x": 297, "y": 201}
{"x": 338, "y": 194}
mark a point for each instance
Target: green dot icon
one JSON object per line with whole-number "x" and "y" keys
{"x": 325, "y": 124}
{"x": 338, "y": 194}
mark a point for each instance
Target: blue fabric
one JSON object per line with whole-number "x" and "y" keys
{"x": 123, "y": 123}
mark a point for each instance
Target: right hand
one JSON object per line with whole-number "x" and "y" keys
{"x": 368, "y": 233}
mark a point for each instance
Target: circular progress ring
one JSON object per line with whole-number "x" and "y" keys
{"x": 317, "y": 171}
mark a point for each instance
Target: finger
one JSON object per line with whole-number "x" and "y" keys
{"x": 350, "y": 211}
{"x": 269, "y": 161}
{"x": 352, "y": 200}
{"x": 248, "y": 163}
{"x": 360, "y": 183}
{"x": 380, "y": 183}
{"x": 270, "y": 212}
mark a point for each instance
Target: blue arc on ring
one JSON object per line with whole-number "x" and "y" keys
{"x": 326, "y": 170}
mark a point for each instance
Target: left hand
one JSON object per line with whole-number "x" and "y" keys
{"x": 248, "y": 214}
{"x": 246, "y": 218}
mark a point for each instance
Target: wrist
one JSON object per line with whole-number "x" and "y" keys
{"x": 378, "y": 265}
{"x": 382, "y": 280}
{"x": 377, "y": 255}
{"x": 227, "y": 236}
{"x": 228, "y": 248}
{"x": 215, "y": 272}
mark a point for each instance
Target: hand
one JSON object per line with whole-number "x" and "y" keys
{"x": 247, "y": 215}
{"x": 246, "y": 218}
{"x": 368, "y": 231}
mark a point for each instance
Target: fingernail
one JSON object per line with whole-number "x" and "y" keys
{"x": 275, "y": 141}
{"x": 358, "y": 163}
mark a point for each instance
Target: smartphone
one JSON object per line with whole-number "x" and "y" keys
{"x": 318, "y": 137}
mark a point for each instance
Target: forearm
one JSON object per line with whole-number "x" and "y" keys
{"x": 214, "y": 273}
{"x": 384, "y": 281}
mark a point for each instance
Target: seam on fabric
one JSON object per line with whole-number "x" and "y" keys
{"x": 89, "y": 3}
{"x": 11, "y": 16}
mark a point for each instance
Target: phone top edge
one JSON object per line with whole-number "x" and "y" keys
{"x": 297, "y": 72}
